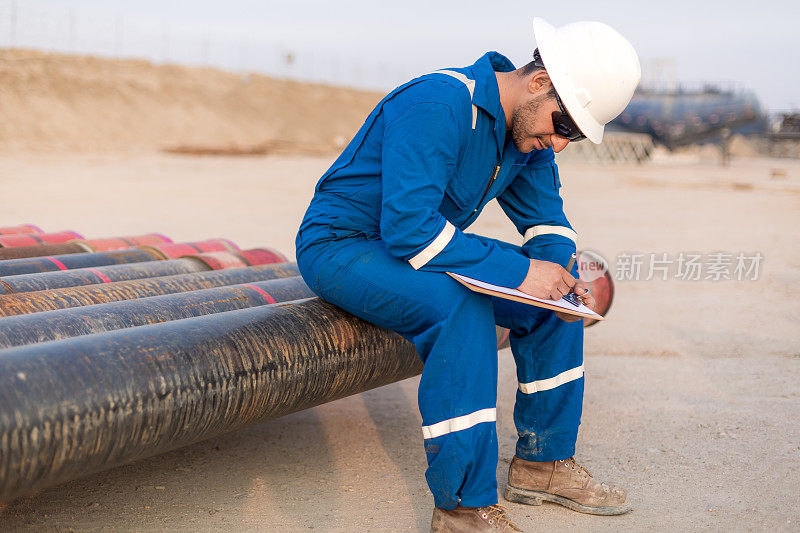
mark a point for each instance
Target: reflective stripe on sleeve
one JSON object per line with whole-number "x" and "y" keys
{"x": 564, "y": 231}
{"x": 459, "y": 423}
{"x": 433, "y": 249}
{"x": 470, "y": 87}
{"x": 551, "y": 383}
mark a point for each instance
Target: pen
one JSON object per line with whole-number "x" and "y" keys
{"x": 571, "y": 263}
{"x": 574, "y": 299}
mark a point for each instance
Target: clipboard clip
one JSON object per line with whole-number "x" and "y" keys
{"x": 574, "y": 299}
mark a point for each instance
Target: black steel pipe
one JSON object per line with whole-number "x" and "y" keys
{"x": 77, "y": 406}
{"x": 32, "y": 302}
{"x": 155, "y": 267}
{"x": 42, "y": 250}
{"x": 65, "y": 323}
{"x": 38, "y": 265}
{"x": 79, "y": 277}
{"x": 34, "y": 265}
{"x": 165, "y": 248}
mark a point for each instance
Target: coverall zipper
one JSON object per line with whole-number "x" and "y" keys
{"x": 489, "y": 186}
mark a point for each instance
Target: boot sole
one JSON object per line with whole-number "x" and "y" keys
{"x": 536, "y": 497}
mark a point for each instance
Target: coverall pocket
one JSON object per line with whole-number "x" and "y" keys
{"x": 450, "y": 204}
{"x": 457, "y": 195}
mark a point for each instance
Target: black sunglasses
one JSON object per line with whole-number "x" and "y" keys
{"x": 563, "y": 125}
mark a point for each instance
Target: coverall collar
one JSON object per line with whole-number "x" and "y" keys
{"x": 487, "y": 92}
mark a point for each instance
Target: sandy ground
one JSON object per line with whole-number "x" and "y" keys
{"x": 692, "y": 386}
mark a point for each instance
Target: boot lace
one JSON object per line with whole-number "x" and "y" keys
{"x": 572, "y": 465}
{"x": 498, "y": 513}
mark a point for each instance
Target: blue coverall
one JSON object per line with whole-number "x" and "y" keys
{"x": 386, "y": 223}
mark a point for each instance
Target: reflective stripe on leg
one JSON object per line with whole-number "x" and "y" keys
{"x": 459, "y": 423}
{"x": 551, "y": 383}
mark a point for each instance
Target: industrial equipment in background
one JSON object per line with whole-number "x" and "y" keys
{"x": 665, "y": 113}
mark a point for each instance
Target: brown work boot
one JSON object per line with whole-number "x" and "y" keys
{"x": 472, "y": 519}
{"x": 564, "y": 482}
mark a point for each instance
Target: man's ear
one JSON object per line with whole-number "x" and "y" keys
{"x": 539, "y": 81}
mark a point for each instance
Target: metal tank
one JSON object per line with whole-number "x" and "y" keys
{"x": 680, "y": 117}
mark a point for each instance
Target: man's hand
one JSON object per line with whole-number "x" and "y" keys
{"x": 547, "y": 280}
{"x": 550, "y": 280}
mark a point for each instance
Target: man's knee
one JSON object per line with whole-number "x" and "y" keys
{"x": 532, "y": 319}
{"x": 452, "y": 305}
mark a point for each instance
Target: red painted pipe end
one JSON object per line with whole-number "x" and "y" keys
{"x": 34, "y": 239}
{"x": 21, "y": 229}
{"x": 180, "y": 249}
{"x": 163, "y": 237}
{"x": 263, "y": 256}
{"x": 219, "y": 260}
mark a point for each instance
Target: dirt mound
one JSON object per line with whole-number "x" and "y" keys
{"x": 53, "y": 101}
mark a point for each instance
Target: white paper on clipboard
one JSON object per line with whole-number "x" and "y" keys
{"x": 514, "y": 294}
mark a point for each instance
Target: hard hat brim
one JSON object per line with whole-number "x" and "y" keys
{"x": 547, "y": 40}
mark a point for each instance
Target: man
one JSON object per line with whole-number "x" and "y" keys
{"x": 386, "y": 223}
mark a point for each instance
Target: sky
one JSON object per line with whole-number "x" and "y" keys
{"x": 376, "y": 44}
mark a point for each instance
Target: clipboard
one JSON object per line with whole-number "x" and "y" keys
{"x": 564, "y": 305}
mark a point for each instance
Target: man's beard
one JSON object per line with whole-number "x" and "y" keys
{"x": 522, "y": 115}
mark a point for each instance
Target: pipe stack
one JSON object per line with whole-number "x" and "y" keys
{"x": 130, "y": 347}
{"x": 156, "y": 267}
{"x": 17, "y": 246}
{"x": 120, "y": 348}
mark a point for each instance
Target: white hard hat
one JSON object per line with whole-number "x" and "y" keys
{"x": 593, "y": 68}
